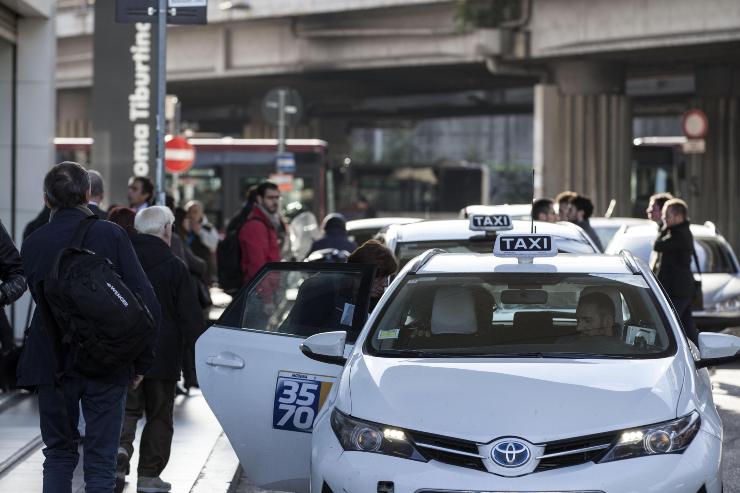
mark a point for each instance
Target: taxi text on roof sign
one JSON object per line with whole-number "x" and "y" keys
{"x": 525, "y": 245}
{"x": 492, "y": 222}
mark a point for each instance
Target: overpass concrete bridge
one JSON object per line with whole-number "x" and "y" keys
{"x": 585, "y": 69}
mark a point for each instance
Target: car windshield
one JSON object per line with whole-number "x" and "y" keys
{"x": 406, "y": 251}
{"x": 713, "y": 255}
{"x": 522, "y": 315}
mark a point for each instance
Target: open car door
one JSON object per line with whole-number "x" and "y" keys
{"x": 265, "y": 393}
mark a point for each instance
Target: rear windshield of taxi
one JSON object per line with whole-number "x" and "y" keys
{"x": 713, "y": 255}
{"x": 406, "y": 251}
{"x": 522, "y": 315}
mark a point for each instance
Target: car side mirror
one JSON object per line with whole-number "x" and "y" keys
{"x": 716, "y": 349}
{"x": 327, "y": 347}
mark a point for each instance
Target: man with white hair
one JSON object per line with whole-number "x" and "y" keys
{"x": 97, "y": 192}
{"x": 181, "y": 321}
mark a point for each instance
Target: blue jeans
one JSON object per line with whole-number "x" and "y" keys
{"x": 102, "y": 405}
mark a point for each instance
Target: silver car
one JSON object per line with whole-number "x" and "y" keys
{"x": 720, "y": 270}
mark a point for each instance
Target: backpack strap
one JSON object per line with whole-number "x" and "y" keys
{"x": 77, "y": 239}
{"x": 81, "y": 231}
{"x": 696, "y": 260}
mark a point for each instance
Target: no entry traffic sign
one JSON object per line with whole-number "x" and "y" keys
{"x": 695, "y": 124}
{"x": 179, "y": 155}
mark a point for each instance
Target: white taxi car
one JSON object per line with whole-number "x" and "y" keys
{"x": 407, "y": 241}
{"x": 475, "y": 372}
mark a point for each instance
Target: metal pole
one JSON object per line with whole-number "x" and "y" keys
{"x": 161, "y": 89}
{"x": 281, "y": 121}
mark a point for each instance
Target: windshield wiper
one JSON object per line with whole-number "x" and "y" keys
{"x": 574, "y": 355}
{"x": 416, "y": 353}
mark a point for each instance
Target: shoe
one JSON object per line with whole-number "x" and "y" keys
{"x": 152, "y": 485}
{"x": 122, "y": 464}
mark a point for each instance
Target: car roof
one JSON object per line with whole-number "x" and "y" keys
{"x": 515, "y": 210}
{"x": 459, "y": 229}
{"x": 618, "y": 221}
{"x": 379, "y": 222}
{"x": 651, "y": 229}
{"x": 562, "y": 263}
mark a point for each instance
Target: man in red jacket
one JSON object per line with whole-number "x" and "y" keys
{"x": 258, "y": 237}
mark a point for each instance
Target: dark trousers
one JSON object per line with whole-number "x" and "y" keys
{"x": 683, "y": 310}
{"x": 154, "y": 399}
{"x": 59, "y": 410}
{"x": 6, "y": 333}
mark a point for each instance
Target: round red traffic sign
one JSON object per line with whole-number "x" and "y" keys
{"x": 695, "y": 124}
{"x": 179, "y": 155}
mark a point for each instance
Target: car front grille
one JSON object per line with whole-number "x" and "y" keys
{"x": 557, "y": 454}
{"x": 574, "y": 451}
{"x": 451, "y": 451}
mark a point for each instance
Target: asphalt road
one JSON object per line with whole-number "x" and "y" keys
{"x": 726, "y": 389}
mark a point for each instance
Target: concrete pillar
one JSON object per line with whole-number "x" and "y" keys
{"x": 713, "y": 178}
{"x": 32, "y": 130}
{"x": 582, "y": 134}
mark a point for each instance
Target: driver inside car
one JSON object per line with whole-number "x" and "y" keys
{"x": 595, "y": 315}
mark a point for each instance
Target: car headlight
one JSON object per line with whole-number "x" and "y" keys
{"x": 364, "y": 436}
{"x": 728, "y": 305}
{"x": 671, "y": 437}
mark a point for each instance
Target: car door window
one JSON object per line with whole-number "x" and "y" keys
{"x": 713, "y": 257}
{"x": 303, "y": 299}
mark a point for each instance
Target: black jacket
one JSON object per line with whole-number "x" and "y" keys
{"x": 585, "y": 225}
{"x": 98, "y": 211}
{"x": 37, "y": 363}
{"x": 675, "y": 247}
{"x": 11, "y": 270}
{"x": 182, "y": 318}
{"x": 40, "y": 219}
{"x": 334, "y": 238}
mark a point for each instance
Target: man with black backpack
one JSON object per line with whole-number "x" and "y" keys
{"x": 92, "y": 334}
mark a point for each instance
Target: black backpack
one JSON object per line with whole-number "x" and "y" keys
{"x": 99, "y": 326}
{"x": 229, "y": 255}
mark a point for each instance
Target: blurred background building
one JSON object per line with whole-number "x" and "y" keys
{"x": 408, "y": 102}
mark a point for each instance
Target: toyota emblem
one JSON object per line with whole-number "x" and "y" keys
{"x": 510, "y": 453}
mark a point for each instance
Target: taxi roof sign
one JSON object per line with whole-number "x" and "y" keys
{"x": 525, "y": 245}
{"x": 490, "y": 222}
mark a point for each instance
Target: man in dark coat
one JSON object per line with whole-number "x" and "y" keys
{"x": 181, "y": 321}
{"x": 675, "y": 250}
{"x": 335, "y": 235}
{"x": 66, "y": 191}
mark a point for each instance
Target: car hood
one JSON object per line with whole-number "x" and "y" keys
{"x": 719, "y": 287}
{"x": 536, "y": 399}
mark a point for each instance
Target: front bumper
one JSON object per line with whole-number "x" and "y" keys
{"x": 359, "y": 472}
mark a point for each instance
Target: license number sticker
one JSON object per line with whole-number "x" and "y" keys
{"x": 298, "y": 398}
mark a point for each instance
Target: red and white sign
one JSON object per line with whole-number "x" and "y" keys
{"x": 283, "y": 181}
{"x": 695, "y": 124}
{"x": 179, "y": 155}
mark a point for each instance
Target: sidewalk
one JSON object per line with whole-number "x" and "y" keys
{"x": 202, "y": 459}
